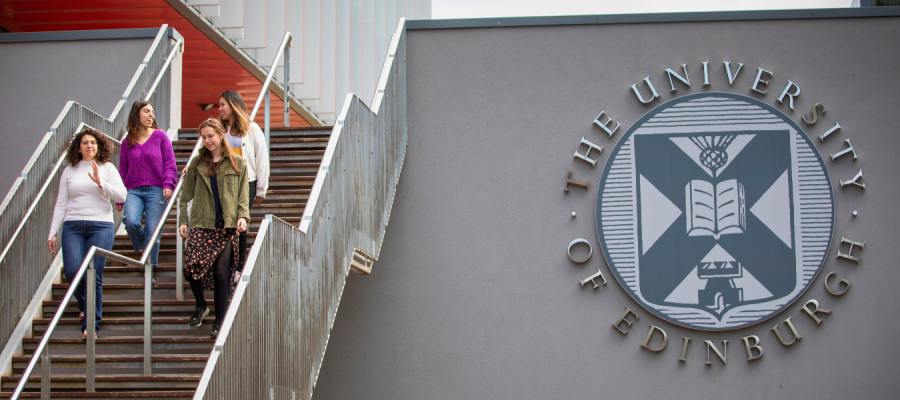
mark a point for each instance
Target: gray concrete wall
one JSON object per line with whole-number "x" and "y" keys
{"x": 474, "y": 297}
{"x": 38, "y": 78}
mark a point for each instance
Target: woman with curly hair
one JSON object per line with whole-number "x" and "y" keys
{"x": 147, "y": 166}
{"x": 83, "y": 209}
{"x": 216, "y": 180}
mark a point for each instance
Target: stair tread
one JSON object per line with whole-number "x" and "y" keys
{"x": 121, "y": 358}
{"x": 137, "y": 333}
{"x": 105, "y": 395}
{"x": 125, "y": 339}
{"x": 190, "y": 142}
{"x": 106, "y": 321}
{"x": 112, "y": 378}
{"x": 275, "y": 128}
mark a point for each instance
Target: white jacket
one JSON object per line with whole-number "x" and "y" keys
{"x": 254, "y": 150}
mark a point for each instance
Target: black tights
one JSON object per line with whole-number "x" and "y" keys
{"x": 221, "y": 271}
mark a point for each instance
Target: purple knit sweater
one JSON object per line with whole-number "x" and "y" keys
{"x": 148, "y": 164}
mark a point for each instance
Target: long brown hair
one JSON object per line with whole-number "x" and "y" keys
{"x": 240, "y": 119}
{"x": 134, "y": 127}
{"x": 104, "y": 147}
{"x": 206, "y": 156}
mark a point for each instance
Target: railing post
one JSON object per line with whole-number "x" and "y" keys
{"x": 90, "y": 315}
{"x": 267, "y": 122}
{"x": 179, "y": 254}
{"x": 45, "y": 373}
{"x": 148, "y": 320}
{"x": 287, "y": 84}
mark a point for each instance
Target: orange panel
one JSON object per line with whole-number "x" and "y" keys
{"x": 207, "y": 69}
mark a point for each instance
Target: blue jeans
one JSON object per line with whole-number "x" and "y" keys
{"x": 147, "y": 202}
{"x": 77, "y": 239}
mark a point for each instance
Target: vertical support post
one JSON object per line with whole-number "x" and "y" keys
{"x": 45, "y": 372}
{"x": 268, "y": 120}
{"x": 287, "y": 84}
{"x": 90, "y": 314}
{"x": 179, "y": 254}
{"x": 148, "y": 318}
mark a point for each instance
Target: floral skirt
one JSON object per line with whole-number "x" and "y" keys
{"x": 201, "y": 250}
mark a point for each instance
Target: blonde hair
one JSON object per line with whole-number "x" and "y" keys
{"x": 206, "y": 157}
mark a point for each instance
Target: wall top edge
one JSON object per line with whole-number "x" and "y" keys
{"x": 140, "y": 33}
{"x": 710, "y": 16}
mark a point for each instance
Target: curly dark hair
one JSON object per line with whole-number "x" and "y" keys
{"x": 104, "y": 147}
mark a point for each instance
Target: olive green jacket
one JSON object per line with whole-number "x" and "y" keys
{"x": 234, "y": 194}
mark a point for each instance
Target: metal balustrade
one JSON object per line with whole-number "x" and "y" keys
{"x": 26, "y": 211}
{"x": 18, "y": 284}
{"x": 275, "y": 332}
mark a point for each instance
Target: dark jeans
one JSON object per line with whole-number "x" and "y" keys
{"x": 77, "y": 238}
{"x": 242, "y": 237}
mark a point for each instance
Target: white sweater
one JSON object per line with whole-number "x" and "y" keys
{"x": 80, "y": 199}
{"x": 253, "y": 149}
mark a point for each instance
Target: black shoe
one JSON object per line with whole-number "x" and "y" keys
{"x": 215, "y": 330}
{"x": 197, "y": 318}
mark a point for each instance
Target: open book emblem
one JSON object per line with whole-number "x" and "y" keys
{"x": 715, "y": 211}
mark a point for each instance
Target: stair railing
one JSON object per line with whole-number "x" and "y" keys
{"x": 29, "y": 229}
{"x": 86, "y": 268}
{"x": 284, "y": 306}
{"x": 264, "y": 92}
{"x": 26, "y": 210}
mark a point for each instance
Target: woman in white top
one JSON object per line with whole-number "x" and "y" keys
{"x": 83, "y": 209}
{"x": 247, "y": 141}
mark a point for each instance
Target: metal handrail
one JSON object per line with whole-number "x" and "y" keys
{"x": 302, "y": 270}
{"x": 43, "y": 189}
{"x": 264, "y": 91}
{"x": 285, "y": 43}
{"x": 179, "y": 45}
{"x": 89, "y": 314}
{"x": 228, "y": 321}
{"x": 18, "y": 285}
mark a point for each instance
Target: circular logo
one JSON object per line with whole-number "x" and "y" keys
{"x": 715, "y": 211}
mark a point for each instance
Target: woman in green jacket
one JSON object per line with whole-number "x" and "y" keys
{"x": 216, "y": 180}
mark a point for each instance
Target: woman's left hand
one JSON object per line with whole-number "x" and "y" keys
{"x": 96, "y": 175}
{"x": 167, "y": 193}
{"x": 242, "y": 225}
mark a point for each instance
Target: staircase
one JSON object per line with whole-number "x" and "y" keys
{"x": 180, "y": 352}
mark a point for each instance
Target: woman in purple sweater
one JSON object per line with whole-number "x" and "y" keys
{"x": 147, "y": 166}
